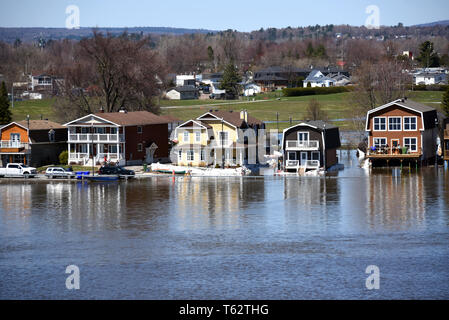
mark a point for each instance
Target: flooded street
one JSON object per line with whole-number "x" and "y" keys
{"x": 258, "y": 237}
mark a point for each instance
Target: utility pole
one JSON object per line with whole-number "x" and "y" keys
{"x": 222, "y": 147}
{"x": 12, "y": 96}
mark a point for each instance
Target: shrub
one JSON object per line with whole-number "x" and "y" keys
{"x": 297, "y": 92}
{"x": 64, "y": 157}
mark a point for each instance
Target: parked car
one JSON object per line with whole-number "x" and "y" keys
{"x": 18, "y": 170}
{"x": 55, "y": 172}
{"x": 116, "y": 170}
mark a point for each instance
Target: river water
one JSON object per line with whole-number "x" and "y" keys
{"x": 229, "y": 238}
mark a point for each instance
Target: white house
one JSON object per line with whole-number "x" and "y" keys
{"x": 429, "y": 78}
{"x": 251, "y": 89}
{"x": 185, "y": 80}
{"x": 318, "y": 79}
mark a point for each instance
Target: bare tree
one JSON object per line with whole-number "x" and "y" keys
{"x": 315, "y": 112}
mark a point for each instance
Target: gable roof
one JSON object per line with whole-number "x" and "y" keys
{"x": 317, "y": 75}
{"x": 133, "y": 118}
{"x": 233, "y": 118}
{"x": 428, "y": 114}
{"x": 11, "y": 123}
{"x": 41, "y": 125}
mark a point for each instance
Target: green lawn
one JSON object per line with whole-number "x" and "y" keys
{"x": 34, "y": 108}
{"x": 265, "y": 107}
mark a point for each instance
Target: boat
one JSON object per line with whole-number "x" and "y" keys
{"x": 102, "y": 178}
{"x": 166, "y": 171}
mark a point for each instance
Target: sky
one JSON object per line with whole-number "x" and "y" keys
{"x": 219, "y": 15}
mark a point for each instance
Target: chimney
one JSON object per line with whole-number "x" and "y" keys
{"x": 123, "y": 110}
{"x": 101, "y": 109}
{"x": 246, "y": 116}
{"x": 242, "y": 115}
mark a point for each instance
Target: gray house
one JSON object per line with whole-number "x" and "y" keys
{"x": 182, "y": 93}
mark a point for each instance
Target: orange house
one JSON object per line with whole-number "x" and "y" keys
{"x": 14, "y": 143}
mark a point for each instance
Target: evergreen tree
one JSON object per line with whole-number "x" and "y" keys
{"x": 445, "y": 103}
{"x": 427, "y": 56}
{"x": 5, "y": 113}
{"x": 231, "y": 81}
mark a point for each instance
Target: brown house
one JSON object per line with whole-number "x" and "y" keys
{"x": 125, "y": 138}
{"x": 310, "y": 145}
{"x": 35, "y": 142}
{"x": 402, "y": 130}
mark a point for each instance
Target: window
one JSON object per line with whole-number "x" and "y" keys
{"x": 411, "y": 144}
{"x": 51, "y": 135}
{"x": 139, "y": 147}
{"x": 190, "y": 155}
{"x": 410, "y": 123}
{"x": 179, "y": 155}
{"x": 14, "y": 137}
{"x": 202, "y": 155}
{"x": 315, "y": 155}
{"x": 292, "y": 156}
{"x": 113, "y": 130}
{"x": 380, "y": 124}
{"x": 224, "y": 137}
{"x": 112, "y": 149}
{"x": 99, "y": 130}
{"x": 394, "y": 124}
{"x": 139, "y": 129}
{"x": 198, "y": 136}
{"x": 380, "y": 142}
{"x": 84, "y": 130}
{"x": 303, "y": 136}
{"x": 186, "y": 136}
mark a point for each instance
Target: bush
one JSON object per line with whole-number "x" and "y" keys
{"x": 297, "y": 92}
{"x": 64, "y": 157}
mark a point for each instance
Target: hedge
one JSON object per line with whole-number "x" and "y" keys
{"x": 432, "y": 87}
{"x": 297, "y": 92}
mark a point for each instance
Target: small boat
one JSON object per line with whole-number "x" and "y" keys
{"x": 102, "y": 178}
{"x": 166, "y": 171}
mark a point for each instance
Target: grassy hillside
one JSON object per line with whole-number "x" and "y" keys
{"x": 264, "y": 107}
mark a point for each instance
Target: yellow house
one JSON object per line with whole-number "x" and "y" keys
{"x": 227, "y": 127}
{"x": 193, "y": 139}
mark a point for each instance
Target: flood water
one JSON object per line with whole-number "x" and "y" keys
{"x": 229, "y": 238}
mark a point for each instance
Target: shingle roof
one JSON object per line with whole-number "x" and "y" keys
{"x": 415, "y": 105}
{"x": 234, "y": 118}
{"x": 184, "y": 88}
{"x": 41, "y": 125}
{"x": 170, "y": 118}
{"x": 320, "y": 124}
{"x": 133, "y": 118}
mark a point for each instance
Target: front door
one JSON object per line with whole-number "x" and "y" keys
{"x": 303, "y": 158}
{"x": 15, "y": 140}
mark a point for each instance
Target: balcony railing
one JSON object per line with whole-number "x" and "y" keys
{"x": 392, "y": 152}
{"x": 308, "y": 164}
{"x": 5, "y": 144}
{"x": 96, "y": 137}
{"x": 303, "y": 145}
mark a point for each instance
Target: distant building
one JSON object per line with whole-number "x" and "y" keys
{"x": 430, "y": 78}
{"x": 251, "y": 89}
{"x": 185, "y": 80}
{"x": 182, "y": 93}
{"x": 317, "y": 79}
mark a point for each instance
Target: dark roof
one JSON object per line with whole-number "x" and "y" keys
{"x": 200, "y": 122}
{"x": 415, "y": 105}
{"x": 320, "y": 124}
{"x": 184, "y": 88}
{"x": 234, "y": 118}
{"x": 170, "y": 118}
{"x": 133, "y": 118}
{"x": 41, "y": 125}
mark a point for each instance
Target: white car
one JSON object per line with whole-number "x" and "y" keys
{"x": 17, "y": 170}
{"x": 55, "y": 172}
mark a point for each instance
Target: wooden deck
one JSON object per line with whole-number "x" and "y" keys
{"x": 394, "y": 156}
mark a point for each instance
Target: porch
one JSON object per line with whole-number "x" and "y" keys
{"x": 306, "y": 164}
{"x": 305, "y": 145}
